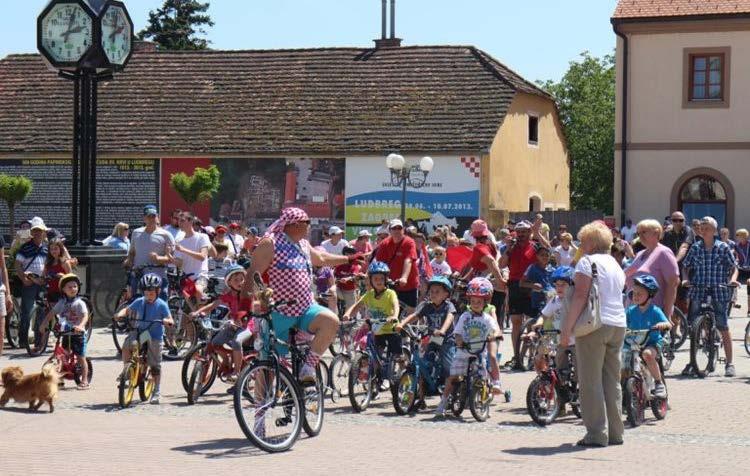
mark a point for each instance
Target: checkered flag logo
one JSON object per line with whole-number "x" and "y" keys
{"x": 473, "y": 164}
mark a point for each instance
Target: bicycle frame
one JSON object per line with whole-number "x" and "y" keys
{"x": 66, "y": 359}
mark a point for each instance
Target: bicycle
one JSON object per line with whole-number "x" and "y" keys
{"x": 13, "y": 325}
{"x": 637, "y": 381}
{"x": 746, "y": 342}
{"x": 706, "y": 341}
{"x": 338, "y": 376}
{"x": 527, "y": 347}
{"x": 137, "y": 372}
{"x": 424, "y": 374}
{"x": 552, "y": 388}
{"x": 269, "y": 388}
{"x": 67, "y": 363}
{"x": 474, "y": 387}
{"x": 123, "y": 298}
{"x": 370, "y": 371}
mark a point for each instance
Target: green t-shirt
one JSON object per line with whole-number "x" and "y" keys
{"x": 380, "y": 308}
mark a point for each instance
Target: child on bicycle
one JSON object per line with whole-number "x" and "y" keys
{"x": 537, "y": 278}
{"x": 73, "y": 316}
{"x": 382, "y": 306}
{"x": 552, "y": 317}
{"x": 642, "y": 315}
{"x": 151, "y": 311}
{"x": 347, "y": 279}
{"x": 234, "y": 331}
{"x": 474, "y": 326}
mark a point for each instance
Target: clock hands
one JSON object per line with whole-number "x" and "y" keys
{"x": 71, "y": 21}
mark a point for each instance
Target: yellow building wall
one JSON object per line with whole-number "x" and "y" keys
{"x": 518, "y": 170}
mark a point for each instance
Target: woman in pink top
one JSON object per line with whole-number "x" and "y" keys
{"x": 658, "y": 261}
{"x": 362, "y": 244}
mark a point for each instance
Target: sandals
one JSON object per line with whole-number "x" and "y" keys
{"x": 84, "y": 386}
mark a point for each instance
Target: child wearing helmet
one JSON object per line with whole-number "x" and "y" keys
{"x": 474, "y": 326}
{"x": 73, "y": 315}
{"x": 151, "y": 311}
{"x": 238, "y": 328}
{"x": 642, "y": 315}
{"x": 382, "y": 307}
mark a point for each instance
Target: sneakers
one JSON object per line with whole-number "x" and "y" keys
{"x": 440, "y": 411}
{"x": 307, "y": 374}
{"x": 496, "y": 388}
{"x": 729, "y": 370}
{"x": 688, "y": 370}
{"x": 155, "y": 398}
{"x": 660, "y": 391}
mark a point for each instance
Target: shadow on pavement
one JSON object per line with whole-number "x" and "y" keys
{"x": 545, "y": 450}
{"x": 221, "y": 448}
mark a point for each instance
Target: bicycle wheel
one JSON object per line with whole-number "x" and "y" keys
{"x": 480, "y": 398}
{"x": 182, "y": 337}
{"x": 146, "y": 384}
{"x": 543, "y": 401}
{"x": 77, "y": 372}
{"x": 199, "y": 354}
{"x": 195, "y": 385}
{"x": 12, "y": 327}
{"x": 314, "y": 403}
{"x": 680, "y": 331}
{"x": 338, "y": 378}
{"x": 360, "y": 382}
{"x": 458, "y": 399}
{"x": 37, "y": 342}
{"x": 747, "y": 338}
{"x": 268, "y": 406}
{"x": 406, "y": 392}
{"x": 325, "y": 373}
{"x": 702, "y": 349}
{"x": 632, "y": 400}
{"x": 119, "y": 329}
{"x": 527, "y": 348}
{"x": 90, "y": 322}
{"x": 660, "y": 406}
{"x": 127, "y": 382}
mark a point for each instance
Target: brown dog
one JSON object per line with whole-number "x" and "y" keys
{"x": 36, "y": 389}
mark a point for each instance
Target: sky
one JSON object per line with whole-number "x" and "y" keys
{"x": 536, "y": 38}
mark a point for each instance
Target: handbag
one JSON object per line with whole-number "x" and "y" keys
{"x": 590, "y": 319}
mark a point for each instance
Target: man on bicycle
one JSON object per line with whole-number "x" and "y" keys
{"x": 286, "y": 255}
{"x": 713, "y": 266}
{"x": 151, "y": 249}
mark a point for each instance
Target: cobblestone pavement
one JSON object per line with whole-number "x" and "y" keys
{"x": 706, "y": 430}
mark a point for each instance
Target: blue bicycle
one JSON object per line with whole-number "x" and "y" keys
{"x": 424, "y": 376}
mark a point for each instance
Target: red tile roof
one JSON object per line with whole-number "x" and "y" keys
{"x": 678, "y": 8}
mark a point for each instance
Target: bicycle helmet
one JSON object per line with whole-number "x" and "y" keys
{"x": 378, "y": 267}
{"x": 563, "y": 273}
{"x": 442, "y": 281}
{"x": 69, "y": 277}
{"x": 150, "y": 281}
{"x": 231, "y": 271}
{"x": 647, "y": 282}
{"x": 479, "y": 287}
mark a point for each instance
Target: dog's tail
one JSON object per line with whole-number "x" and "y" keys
{"x": 49, "y": 372}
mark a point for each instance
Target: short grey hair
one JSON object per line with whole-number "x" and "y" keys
{"x": 711, "y": 221}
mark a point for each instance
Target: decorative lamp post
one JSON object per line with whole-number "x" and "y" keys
{"x": 403, "y": 175}
{"x": 85, "y": 41}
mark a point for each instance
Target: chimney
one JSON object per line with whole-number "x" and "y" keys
{"x": 140, "y": 46}
{"x": 384, "y": 41}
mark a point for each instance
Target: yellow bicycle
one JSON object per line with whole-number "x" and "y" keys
{"x": 137, "y": 373}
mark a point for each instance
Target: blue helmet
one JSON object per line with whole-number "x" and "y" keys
{"x": 378, "y": 267}
{"x": 562, "y": 273}
{"x": 647, "y": 282}
{"x": 231, "y": 271}
{"x": 441, "y": 280}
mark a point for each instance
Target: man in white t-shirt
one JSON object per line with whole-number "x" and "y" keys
{"x": 628, "y": 231}
{"x": 191, "y": 254}
{"x": 336, "y": 244}
{"x": 174, "y": 225}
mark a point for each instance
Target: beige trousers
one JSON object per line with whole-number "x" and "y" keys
{"x": 598, "y": 360}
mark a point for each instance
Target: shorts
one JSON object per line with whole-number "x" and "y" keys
{"x": 391, "y": 342}
{"x": 460, "y": 363}
{"x": 153, "y": 356}
{"x": 498, "y": 300}
{"x": 721, "y": 313}
{"x": 76, "y": 344}
{"x": 743, "y": 276}
{"x": 3, "y": 310}
{"x": 408, "y": 297}
{"x": 227, "y": 335}
{"x": 282, "y": 323}
{"x": 190, "y": 286}
{"x": 519, "y": 299}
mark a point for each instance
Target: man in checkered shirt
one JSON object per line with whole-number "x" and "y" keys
{"x": 713, "y": 268}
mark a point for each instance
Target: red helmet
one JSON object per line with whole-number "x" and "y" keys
{"x": 479, "y": 287}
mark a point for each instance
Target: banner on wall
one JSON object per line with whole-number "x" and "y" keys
{"x": 450, "y": 196}
{"x": 123, "y": 187}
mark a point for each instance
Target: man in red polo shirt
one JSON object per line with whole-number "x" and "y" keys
{"x": 518, "y": 257}
{"x": 399, "y": 252}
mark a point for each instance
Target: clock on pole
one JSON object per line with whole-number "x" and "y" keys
{"x": 65, "y": 32}
{"x": 117, "y": 33}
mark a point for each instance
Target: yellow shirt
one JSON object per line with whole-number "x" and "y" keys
{"x": 381, "y": 308}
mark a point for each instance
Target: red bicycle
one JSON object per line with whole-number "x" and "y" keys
{"x": 65, "y": 361}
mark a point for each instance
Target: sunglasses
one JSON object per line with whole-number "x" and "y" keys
{"x": 679, "y": 220}
{"x": 397, "y": 228}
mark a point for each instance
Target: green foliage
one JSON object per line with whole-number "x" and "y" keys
{"x": 14, "y": 190}
{"x": 586, "y": 100}
{"x": 199, "y": 187}
{"x": 175, "y": 25}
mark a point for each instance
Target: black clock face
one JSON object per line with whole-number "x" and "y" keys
{"x": 116, "y": 40}
{"x": 66, "y": 32}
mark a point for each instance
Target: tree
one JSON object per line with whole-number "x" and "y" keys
{"x": 196, "y": 188}
{"x": 175, "y": 25}
{"x": 14, "y": 190}
{"x": 586, "y": 101}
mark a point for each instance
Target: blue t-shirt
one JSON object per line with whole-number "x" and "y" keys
{"x": 155, "y": 311}
{"x": 539, "y": 275}
{"x": 435, "y": 315}
{"x": 637, "y": 320}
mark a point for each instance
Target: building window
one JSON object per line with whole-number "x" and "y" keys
{"x": 706, "y": 77}
{"x": 533, "y": 130}
{"x": 703, "y": 195}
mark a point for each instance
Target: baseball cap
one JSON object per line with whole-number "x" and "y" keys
{"x": 364, "y": 233}
{"x": 395, "y": 223}
{"x": 150, "y": 210}
{"x": 221, "y": 229}
{"x": 234, "y": 226}
{"x": 253, "y": 231}
{"x": 334, "y": 230}
{"x": 523, "y": 225}
{"x": 382, "y": 231}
